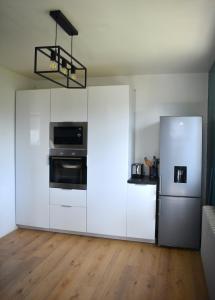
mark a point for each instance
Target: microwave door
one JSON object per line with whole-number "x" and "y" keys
{"x": 68, "y": 135}
{"x": 71, "y": 135}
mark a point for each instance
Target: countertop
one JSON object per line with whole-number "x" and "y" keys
{"x": 143, "y": 180}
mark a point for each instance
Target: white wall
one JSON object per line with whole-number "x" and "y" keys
{"x": 160, "y": 95}
{"x": 156, "y": 95}
{"x": 9, "y": 82}
{"x": 163, "y": 95}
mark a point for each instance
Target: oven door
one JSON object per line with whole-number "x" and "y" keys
{"x": 68, "y": 135}
{"x": 68, "y": 172}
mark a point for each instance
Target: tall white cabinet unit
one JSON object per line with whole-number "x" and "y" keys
{"x": 67, "y": 206}
{"x": 32, "y": 149}
{"x": 109, "y": 158}
{"x": 68, "y": 105}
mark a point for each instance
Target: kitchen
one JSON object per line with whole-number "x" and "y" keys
{"x": 153, "y": 95}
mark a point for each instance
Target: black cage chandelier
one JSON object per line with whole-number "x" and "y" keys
{"x": 56, "y": 64}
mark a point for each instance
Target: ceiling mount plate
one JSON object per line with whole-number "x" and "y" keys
{"x": 63, "y": 22}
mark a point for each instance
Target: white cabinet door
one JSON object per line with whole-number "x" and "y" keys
{"x": 68, "y": 209}
{"x": 68, "y": 105}
{"x": 141, "y": 211}
{"x": 69, "y": 218}
{"x": 32, "y": 167}
{"x": 108, "y": 137}
{"x": 68, "y": 197}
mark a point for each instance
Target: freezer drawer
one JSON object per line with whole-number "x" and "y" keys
{"x": 179, "y": 222}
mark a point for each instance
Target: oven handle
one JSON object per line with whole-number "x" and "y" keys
{"x": 71, "y": 166}
{"x": 63, "y": 157}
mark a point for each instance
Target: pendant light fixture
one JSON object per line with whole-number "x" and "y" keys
{"x": 55, "y": 63}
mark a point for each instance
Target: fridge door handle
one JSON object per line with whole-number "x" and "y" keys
{"x": 159, "y": 184}
{"x": 159, "y": 209}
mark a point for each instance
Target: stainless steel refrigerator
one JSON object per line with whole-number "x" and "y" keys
{"x": 179, "y": 215}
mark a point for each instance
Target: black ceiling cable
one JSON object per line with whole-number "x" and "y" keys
{"x": 56, "y": 34}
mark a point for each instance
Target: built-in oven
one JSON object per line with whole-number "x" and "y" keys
{"x": 68, "y": 135}
{"x": 68, "y": 169}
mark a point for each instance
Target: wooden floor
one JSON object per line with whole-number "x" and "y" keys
{"x": 43, "y": 265}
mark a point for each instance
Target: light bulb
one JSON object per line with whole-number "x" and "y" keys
{"x": 64, "y": 71}
{"x": 53, "y": 64}
{"x": 74, "y": 76}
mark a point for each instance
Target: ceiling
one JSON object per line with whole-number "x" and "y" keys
{"x": 116, "y": 37}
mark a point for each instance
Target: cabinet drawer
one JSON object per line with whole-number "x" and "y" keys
{"x": 68, "y": 218}
{"x": 68, "y": 197}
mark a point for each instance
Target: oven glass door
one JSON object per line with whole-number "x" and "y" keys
{"x": 68, "y": 172}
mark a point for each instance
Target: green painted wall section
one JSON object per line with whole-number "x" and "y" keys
{"x": 211, "y": 138}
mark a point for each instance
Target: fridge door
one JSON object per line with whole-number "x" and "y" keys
{"x": 180, "y": 156}
{"x": 179, "y": 222}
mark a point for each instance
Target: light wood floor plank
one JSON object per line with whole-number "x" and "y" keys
{"x": 45, "y": 265}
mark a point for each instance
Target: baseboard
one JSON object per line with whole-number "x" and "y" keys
{"x": 89, "y": 234}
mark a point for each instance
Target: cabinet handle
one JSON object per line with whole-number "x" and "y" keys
{"x": 66, "y": 206}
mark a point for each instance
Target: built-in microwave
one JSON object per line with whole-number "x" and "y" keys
{"x": 68, "y": 135}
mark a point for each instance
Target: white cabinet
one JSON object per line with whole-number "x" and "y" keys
{"x": 68, "y": 105}
{"x": 32, "y": 149}
{"x": 68, "y": 209}
{"x": 68, "y": 197}
{"x": 108, "y": 159}
{"x": 67, "y": 217}
{"x": 141, "y": 211}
